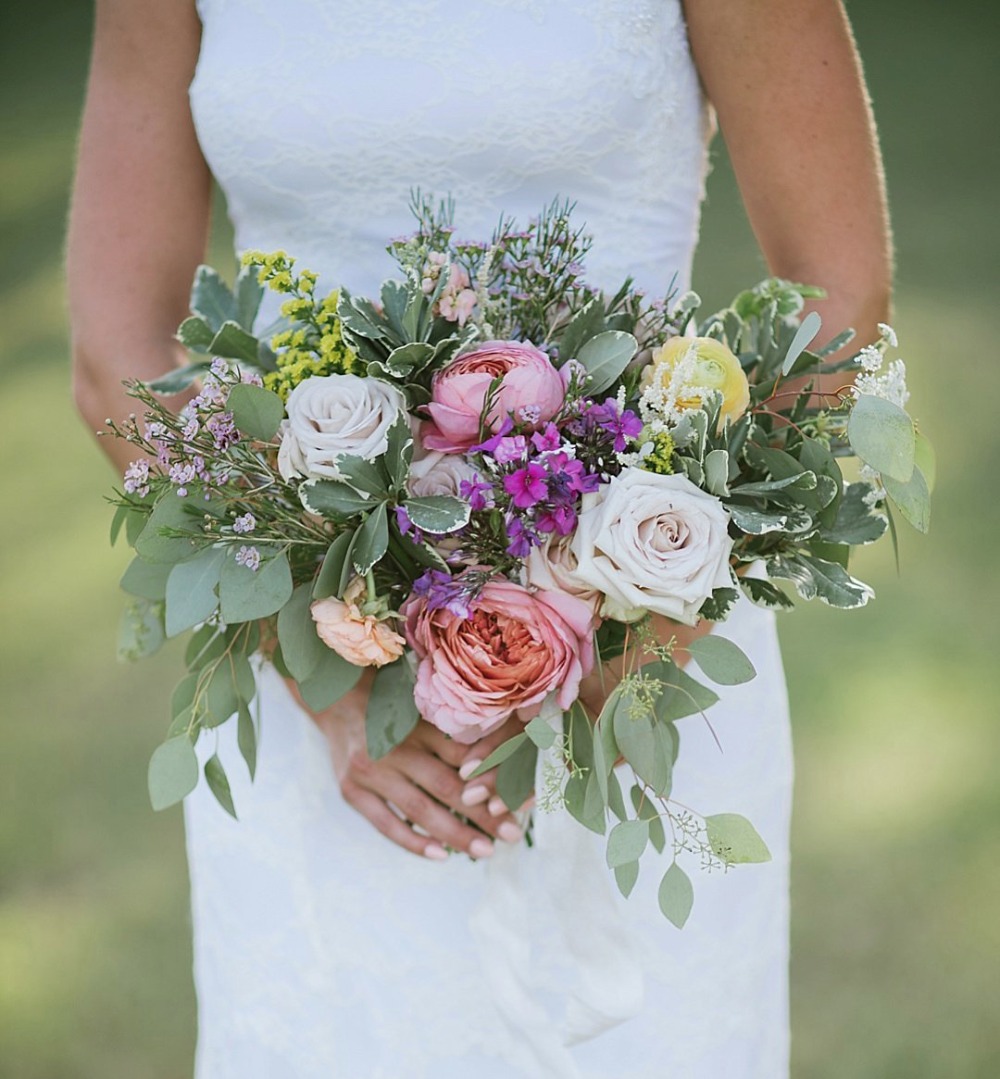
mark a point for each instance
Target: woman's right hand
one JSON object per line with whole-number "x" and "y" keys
{"x": 409, "y": 794}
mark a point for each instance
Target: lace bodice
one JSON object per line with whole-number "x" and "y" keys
{"x": 319, "y": 116}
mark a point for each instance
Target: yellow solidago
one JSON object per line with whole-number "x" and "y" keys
{"x": 660, "y": 460}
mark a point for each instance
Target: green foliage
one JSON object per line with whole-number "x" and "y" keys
{"x": 626, "y": 842}
{"x": 882, "y": 435}
{"x": 516, "y": 775}
{"x": 676, "y": 895}
{"x": 246, "y": 595}
{"x": 605, "y": 358}
{"x": 392, "y": 713}
{"x": 190, "y": 590}
{"x": 301, "y": 648}
{"x": 438, "y": 514}
{"x": 735, "y": 840}
{"x": 256, "y": 412}
{"x": 173, "y": 772}
{"x": 722, "y": 660}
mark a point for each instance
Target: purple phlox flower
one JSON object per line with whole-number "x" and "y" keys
{"x": 520, "y": 537}
{"x": 620, "y": 425}
{"x": 547, "y": 440}
{"x": 511, "y": 448}
{"x": 490, "y": 445}
{"x": 445, "y": 593}
{"x": 568, "y": 476}
{"x": 529, "y": 414}
{"x": 527, "y": 485}
{"x": 246, "y": 523}
{"x": 249, "y": 557}
{"x": 561, "y": 519}
{"x": 137, "y": 478}
{"x": 223, "y": 430}
{"x": 403, "y": 522}
{"x": 478, "y": 494}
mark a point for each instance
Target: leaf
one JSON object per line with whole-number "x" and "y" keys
{"x": 301, "y": 648}
{"x": 735, "y": 840}
{"x": 171, "y": 512}
{"x": 332, "y": 678}
{"x": 681, "y": 695}
{"x": 438, "y": 514}
{"x": 722, "y": 660}
{"x": 516, "y": 775}
{"x": 140, "y": 629}
{"x": 593, "y": 813}
{"x": 190, "y": 592}
{"x": 541, "y": 733}
{"x": 882, "y": 435}
{"x": 256, "y": 412}
{"x": 399, "y": 451}
{"x": 500, "y": 754}
{"x": 218, "y": 784}
{"x": 371, "y": 540}
{"x": 196, "y": 334}
{"x": 245, "y": 595}
{"x": 248, "y": 293}
{"x": 392, "y": 713}
{"x": 641, "y": 745}
{"x": 625, "y": 877}
{"x": 926, "y": 460}
{"x": 409, "y": 357}
{"x": 616, "y": 803}
{"x": 146, "y": 579}
{"x": 626, "y": 842}
{"x": 587, "y": 323}
{"x": 676, "y": 895}
{"x": 176, "y": 381}
{"x": 173, "y": 772}
{"x": 716, "y": 465}
{"x": 211, "y": 298}
{"x": 362, "y": 475}
{"x": 605, "y": 357}
{"x": 221, "y": 699}
{"x": 234, "y": 343}
{"x": 246, "y": 737}
{"x": 331, "y": 498}
{"x": 205, "y": 644}
{"x": 328, "y": 580}
{"x": 809, "y": 327}
{"x": 856, "y": 522}
{"x": 760, "y": 522}
{"x": 912, "y": 499}
{"x": 816, "y": 578}
{"x": 765, "y": 594}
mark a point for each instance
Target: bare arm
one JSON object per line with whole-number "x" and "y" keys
{"x": 786, "y": 81}
{"x": 140, "y": 210}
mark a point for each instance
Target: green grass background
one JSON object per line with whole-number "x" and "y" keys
{"x": 896, "y": 880}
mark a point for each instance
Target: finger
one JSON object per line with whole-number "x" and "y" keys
{"x": 375, "y": 810}
{"x": 443, "y": 784}
{"x": 420, "y": 809}
{"x": 482, "y": 787}
{"x": 497, "y": 807}
{"x": 438, "y": 743}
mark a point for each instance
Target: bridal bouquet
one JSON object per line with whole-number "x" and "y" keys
{"x": 484, "y": 483}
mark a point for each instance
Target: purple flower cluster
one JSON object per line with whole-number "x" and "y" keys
{"x": 446, "y": 593}
{"x": 249, "y": 557}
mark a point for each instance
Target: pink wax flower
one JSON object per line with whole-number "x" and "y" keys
{"x": 531, "y": 389}
{"x": 514, "y": 649}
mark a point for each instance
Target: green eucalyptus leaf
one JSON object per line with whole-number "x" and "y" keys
{"x": 392, "y": 713}
{"x": 586, "y": 324}
{"x": 626, "y": 842}
{"x": 218, "y": 784}
{"x": 173, "y": 772}
{"x": 301, "y": 648}
{"x": 246, "y": 595}
{"x": 206, "y": 644}
{"x": 332, "y": 678}
{"x": 438, "y": 514}
{"x": 593, "y": 815}
{"x": 605, "y": 357}
{"x": 146, "y": 579}
{"x": 540, "y": 732}
{"x": 256, "y": 412}
{"x": 140, "y": 630}
{"x": 912, "y": 499}
{"x": 926, "y": 459}
{"x": 642, "y": 744}
{"x": 190, "y": 591}
{"x": 516, "y": 775}
{"x": 246, "y": 736}
{"x": 221, "y": 699}
{"x": 882, "y": 435}
{"x": 625, "y": 877}
{"x": 681, "y": 695}
{"x": 500, "y": 754}
{"x": 676, "y": 895}
{"x": 616, "y": 803}
{"x": 735, "y": 840}
{"x": 172, "y": 512}
{"x": 722, "y": 660}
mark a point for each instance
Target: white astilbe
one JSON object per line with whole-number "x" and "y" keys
{"x": 878, "y": 380}
{"x": 661, "y": 406}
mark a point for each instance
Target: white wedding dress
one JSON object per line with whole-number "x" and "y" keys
{"x": 322, "y": 951}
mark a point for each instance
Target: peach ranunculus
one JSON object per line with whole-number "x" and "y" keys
{"x": 362, "y": 639}
{"x": 531, "y": 388}
{"x": 685, "y": 366}
{"x": 514, "y": 649}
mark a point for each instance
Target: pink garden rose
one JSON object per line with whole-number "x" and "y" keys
{"x": 514, "y": 649}
{"x": 532, "y": 390}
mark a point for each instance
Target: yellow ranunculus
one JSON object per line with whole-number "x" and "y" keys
{"x": 715, "y": 367}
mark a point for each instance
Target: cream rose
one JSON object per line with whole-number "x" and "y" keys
{"x": 652, "y": 543}
{"x": 552, "y": 567}
{"x": 333, "y": 415}
{"x": 440, "y": 474}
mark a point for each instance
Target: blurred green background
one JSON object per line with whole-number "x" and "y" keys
{"x": 896, "y": 880}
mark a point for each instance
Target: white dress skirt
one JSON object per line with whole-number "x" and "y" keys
{"x": 322, "y": 951}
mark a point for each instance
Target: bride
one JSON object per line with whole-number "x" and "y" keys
{"x": 323, "y": 948}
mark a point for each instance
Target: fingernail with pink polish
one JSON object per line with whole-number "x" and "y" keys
{"x": 435, "y": 852}
{"x": 472, "y": 796}
{"x": 468, "y": 768}
{"x": 497, "y": 806}
{"x": 509, "y": 832}
{"x": 481, "y": 848}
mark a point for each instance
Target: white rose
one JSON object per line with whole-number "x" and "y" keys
{"x": 552, "y": 567}
{"x": 440, "y": 474}
{"x": 333, "y": 415}
{"x": 652, "y": 543}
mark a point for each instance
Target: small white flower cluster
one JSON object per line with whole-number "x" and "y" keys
{"x": 661, "y": 406}
{"x": 878, "y": 380}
